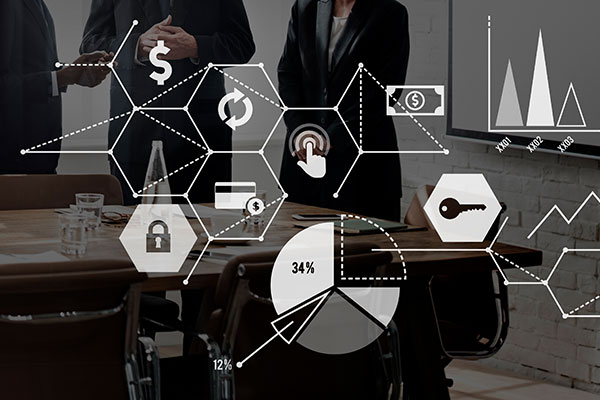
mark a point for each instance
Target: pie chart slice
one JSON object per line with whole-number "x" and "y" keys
{"x": 339, "y": 328}
{"x": 304, "y": 267}
{"x": 290, "y": 324}
{"x": 378, "y": 302}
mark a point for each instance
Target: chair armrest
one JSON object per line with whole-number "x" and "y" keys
{"x": 221, "y": 387}
{"x": 148, "y": 369}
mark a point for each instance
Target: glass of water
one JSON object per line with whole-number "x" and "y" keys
{"x": 90, "y": 204}
{"x": 255, "y": 211}
{"x": 73, "y": 233}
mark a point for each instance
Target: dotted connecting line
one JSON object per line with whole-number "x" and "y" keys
{"x": 173, "y": 130}
{"x": 232, "y": 226}
{"x": 195, "y": 74}
{"x": 391, "y": 239}
{"x": 516, "y": 265}
{"x": 360, "y": 77}
{"x": 83, "y": 65}
{"x": 342, "y": 246}
{"x": 587, "y": 303}
{"x": 76, "y": 132}
{"x": 407, "y": 112}
{"x": 171, "y": 174}
{"x": 249, "y": 88}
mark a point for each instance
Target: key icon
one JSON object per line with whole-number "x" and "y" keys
{"x": 450, "y": 208}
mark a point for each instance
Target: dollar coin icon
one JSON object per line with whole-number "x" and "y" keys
{"x": 160, "y": 49}
{"x": 255, "y": 206}
{"x": 415, "y": 100}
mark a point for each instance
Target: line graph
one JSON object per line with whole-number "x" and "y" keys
{"x": 560, "y": 212}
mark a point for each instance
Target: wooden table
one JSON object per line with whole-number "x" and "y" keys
{"x": 36, "y": 231}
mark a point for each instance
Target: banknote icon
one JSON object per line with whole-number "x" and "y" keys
{"x": 416, "y": 101}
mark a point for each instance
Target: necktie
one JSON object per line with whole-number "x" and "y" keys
{"x": 165, "y": 7}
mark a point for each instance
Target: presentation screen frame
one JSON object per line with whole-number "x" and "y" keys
{"x": 493, "y": 139}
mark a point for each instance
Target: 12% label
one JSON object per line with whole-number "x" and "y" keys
{"x": 222, "y": 364}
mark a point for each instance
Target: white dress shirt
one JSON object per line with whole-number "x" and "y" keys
{"x": 336, "y": 32}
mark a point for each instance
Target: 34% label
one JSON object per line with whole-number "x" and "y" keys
{"x": 303, "y": 267}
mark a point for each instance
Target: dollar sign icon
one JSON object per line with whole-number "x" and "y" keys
{"x": 168, "y": 70}
{"x": 415, "y": 100}
{"x": 255, "y": 206}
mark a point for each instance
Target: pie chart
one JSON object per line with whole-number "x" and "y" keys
{"x": 316, "y": 313}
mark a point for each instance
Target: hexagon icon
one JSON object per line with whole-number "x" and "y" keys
{"x": 251, "y": 107}
{"x": 344, "y": 153}
{"x": 184, "y": 150}
{"x": 573, "y": 283}
{"x": 228, "y": 217}
{"x": 158, "y": 238}
{"x": 462, "y": 208}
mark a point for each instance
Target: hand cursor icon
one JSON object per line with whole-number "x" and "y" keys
{"x": 315, "y": 166}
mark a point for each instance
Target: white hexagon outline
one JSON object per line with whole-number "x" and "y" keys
{"x": 137, "y": 194}
{"x": 325, "y": 109}
{"x": 219, "y": 68}
{"x": 546, "y": 283}
{"x": 279, "y": 200}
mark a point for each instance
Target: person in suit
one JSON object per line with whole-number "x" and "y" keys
{"x": 31, "y": 86}
{"x": 197, "y": 32}
{"x": 346, "y": 33}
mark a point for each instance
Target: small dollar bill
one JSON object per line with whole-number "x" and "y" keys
{"x": 417, "y": 101}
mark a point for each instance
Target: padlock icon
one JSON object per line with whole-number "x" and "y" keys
{"x": 158, "y": 242}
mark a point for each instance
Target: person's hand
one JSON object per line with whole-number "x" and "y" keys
{"x": 94, "y": 76}
{"x": 148, "y": 40}
{"x": 315, "y": 166}
{"x": 81, "y": 73}
{"x": 182, "y": 44}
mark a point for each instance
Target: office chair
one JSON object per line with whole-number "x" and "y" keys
{"x": 68, "y": 331}
{"x": 467, "y": 329}
{"x": 241, "y": 323}
{"x": 30, "y": 192}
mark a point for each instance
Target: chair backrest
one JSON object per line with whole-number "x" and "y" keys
{"x": 28, "y": 192}
{"x": 468, "y": 329}
{"x": 66, "y": 329}
{"x": 245, "y": 323}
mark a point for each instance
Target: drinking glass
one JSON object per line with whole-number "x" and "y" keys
{"x": 91, "y": 205}
{"x": 259, "y": 219}
{"x": 73, "y": 233}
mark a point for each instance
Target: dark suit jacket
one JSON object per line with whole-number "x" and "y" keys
{"x": 223, "y": 34}
{"x": 375, "y": 34}
{"x": 29, "y": 115}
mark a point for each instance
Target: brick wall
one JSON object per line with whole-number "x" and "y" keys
{"x": 540, "y": 344}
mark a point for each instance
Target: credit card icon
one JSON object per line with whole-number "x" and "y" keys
{"x": 233, "y": 195}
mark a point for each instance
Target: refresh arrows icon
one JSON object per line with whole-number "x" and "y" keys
{"x": 235, "y": 96}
